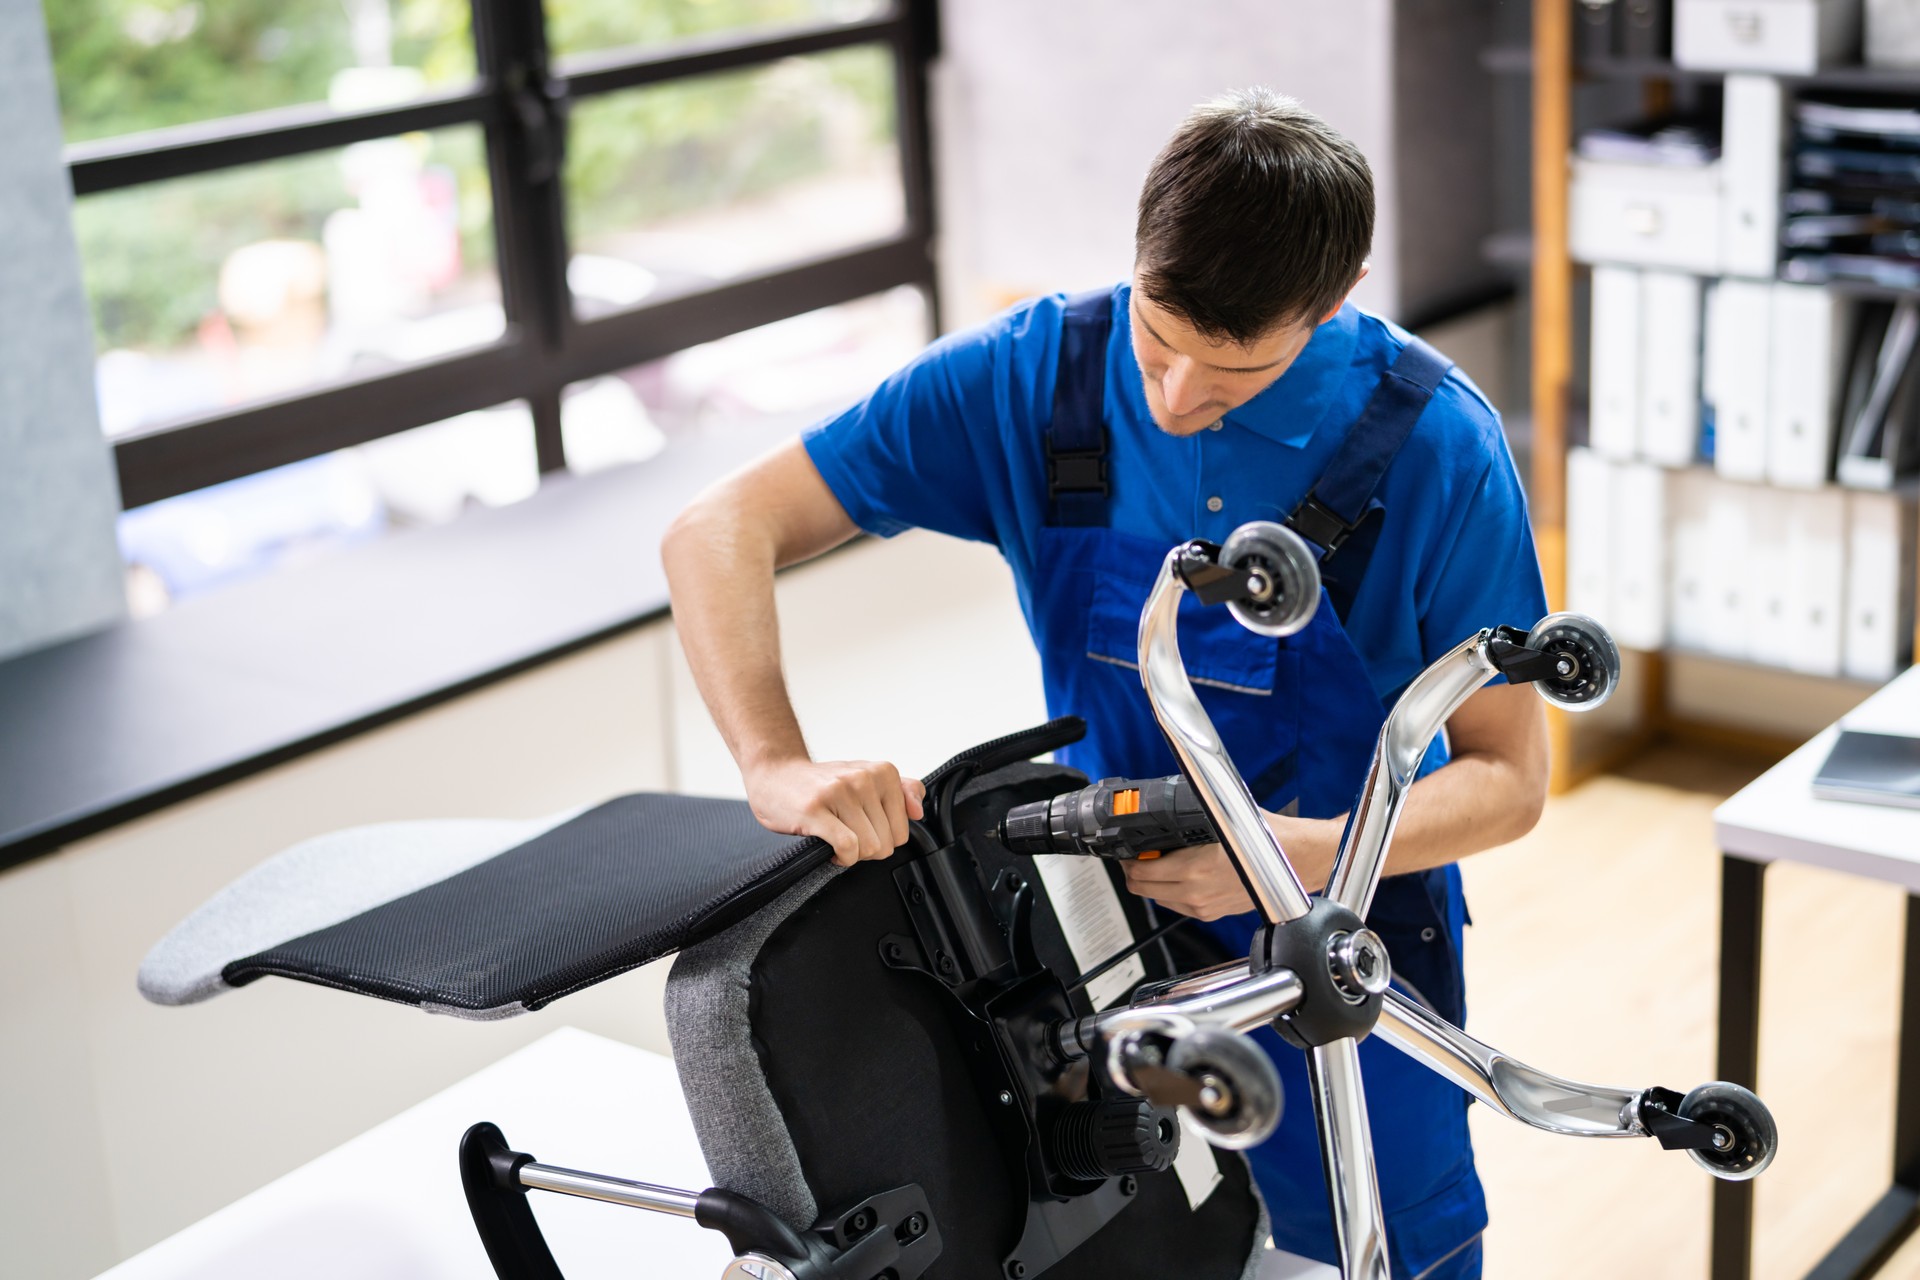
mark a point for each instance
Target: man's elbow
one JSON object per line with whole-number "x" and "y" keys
{"x": 696, "y": 532}
{"x": 1529, "y": 801}
{"x": 682, "y": 533}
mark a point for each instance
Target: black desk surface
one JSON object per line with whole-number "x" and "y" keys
{"x": 101, "y": 729}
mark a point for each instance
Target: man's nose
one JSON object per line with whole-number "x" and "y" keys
{"x": 1183, "y": 387}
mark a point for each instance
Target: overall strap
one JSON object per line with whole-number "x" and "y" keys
{"x": 1342, "y": 498}
{"x": 1077, "y": 436}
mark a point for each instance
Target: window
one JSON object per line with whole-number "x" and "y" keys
{"x": 792, "y": 372}
{"x": 308, "y": 225}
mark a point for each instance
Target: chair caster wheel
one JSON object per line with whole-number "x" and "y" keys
{"x": 1590, "y": 662}
{"x": 1240, "y": 1102}
{"x": 1290, "y": 571}
{"x": 1749, "y": 1133}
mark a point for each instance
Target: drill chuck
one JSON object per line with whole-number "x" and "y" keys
{"x": 1113, "y": 818}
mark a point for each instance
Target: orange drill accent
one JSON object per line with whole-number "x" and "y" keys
{"x": 1148, "y": 856}
{"x": 1125, "y": 802}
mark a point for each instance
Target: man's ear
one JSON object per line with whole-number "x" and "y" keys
{"x": 1364, "y": 268}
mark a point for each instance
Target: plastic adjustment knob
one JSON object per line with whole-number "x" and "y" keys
{"x": 1289, "y": 578}
{"x": 755, "y": 1266}
{"x": 1239, "y": 1100}
{"x": 1115, "y": 1136}
{"x": 1589, "y": 661}
{"x": 1744, "y": 1129}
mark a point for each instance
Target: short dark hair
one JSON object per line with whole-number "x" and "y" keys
{"x": 1255, "y": 214}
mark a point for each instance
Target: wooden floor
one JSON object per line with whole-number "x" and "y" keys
{"x": 1609, "y": 977}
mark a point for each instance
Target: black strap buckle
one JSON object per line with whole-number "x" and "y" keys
{"x": 1318, "y": 524}
{"x": 1080, "y": 471}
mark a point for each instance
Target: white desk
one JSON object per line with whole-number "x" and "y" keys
{"x": 1776, "y": 818}
{"x": 388, "y": 1204}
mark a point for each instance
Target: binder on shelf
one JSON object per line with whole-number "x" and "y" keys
{"x": 1816, "y": 572}
{"x": 1669, "y": 418}
{"x": 1769, "y": 596}
{"x": 1646, "y": 28}
{"x": 1693, "y": 576}
{"x": 1752, "y": 138}
{"x": 1878, "y": 626}
{"x": 1613, "y": 427}
{"x": 1730, "y": 552}
{"x": 1637, "y": 564}
{"x": 1877, "y": 415}
{"x": 1739, "y": 331}
{"x": 1589, "y": 533}
{"x": 1805, "y": 354}
{"x": 1594, "y": 29}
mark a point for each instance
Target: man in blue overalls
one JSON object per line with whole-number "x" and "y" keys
{"x": 1229, "y": 381}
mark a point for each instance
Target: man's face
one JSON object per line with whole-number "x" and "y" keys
{"x": 1192, "y": 381}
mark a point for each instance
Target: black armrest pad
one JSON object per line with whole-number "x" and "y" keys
{"x": 624, "y": 883}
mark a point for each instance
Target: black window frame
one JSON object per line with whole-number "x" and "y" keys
{"x": 520, "y": 97}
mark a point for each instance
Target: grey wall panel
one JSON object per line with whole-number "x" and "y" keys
{"x": 60, "y": 571}
{"x": 1444, "y": 149}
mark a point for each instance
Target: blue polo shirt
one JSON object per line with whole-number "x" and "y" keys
{"x": 955, "y": 442}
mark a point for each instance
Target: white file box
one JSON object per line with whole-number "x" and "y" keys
{"x": 1817, "y": 556}
{"x": 1613, "y": 426}
{"x": 1739, "y": 329}
{"x": 1637, "y": 569}
{"x": 1646, "y": 215}
{"x": 1751, "y": 149}
{"x": 1805, "y": 358}
{"x": 1693, "y": 576}
{"x": 1878, "y": 630}
{"x": 1763, "y": 563}
{"x": 1730, "y": 549}
{"x": 1669, "y": 368}
{"x": 1589, "y": 534}
{"x": 1793, "y": 36}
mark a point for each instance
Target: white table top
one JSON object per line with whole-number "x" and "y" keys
{"x": 388, "y": 1206}
{"x": 1776, "y": 817}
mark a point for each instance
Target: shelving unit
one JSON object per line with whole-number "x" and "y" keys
{"x": 1554, "y": 72}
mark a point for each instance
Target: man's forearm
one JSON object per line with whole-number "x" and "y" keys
{"x": 1472, "y": 804}
{"x": 720, "y": 556}
{"x": 721, "y": 576}
{"x": 1490, "y": 793}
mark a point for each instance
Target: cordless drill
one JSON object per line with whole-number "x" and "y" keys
{"x": 1113, "y": 818}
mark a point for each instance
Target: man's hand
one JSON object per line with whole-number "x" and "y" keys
{"x": 1200, "y": 880}
{"x": 860, "y": 807}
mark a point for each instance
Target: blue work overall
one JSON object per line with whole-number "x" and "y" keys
{"x": 1299, "y": 716}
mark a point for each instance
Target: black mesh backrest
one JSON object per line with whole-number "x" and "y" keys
{"x": 868, "y": 1067}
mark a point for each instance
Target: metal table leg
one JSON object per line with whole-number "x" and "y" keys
{"x": 1741, "y": 900}
{"x": 1878, "y": 1235}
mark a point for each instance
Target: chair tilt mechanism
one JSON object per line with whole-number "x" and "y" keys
{"x": 963, "y": 1061}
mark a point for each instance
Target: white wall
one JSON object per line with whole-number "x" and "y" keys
{"x": 1049, "y": 114}
{"x": 59, "y": 567}
{"x": 125, "y": 1122}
